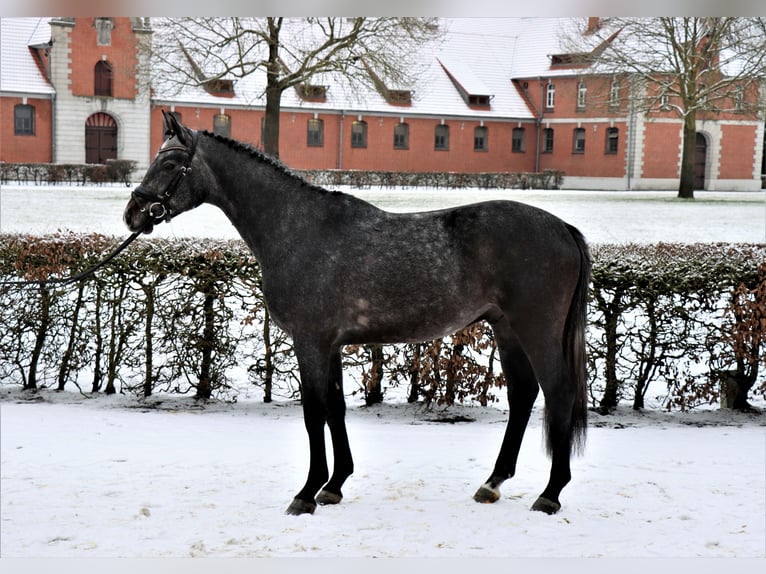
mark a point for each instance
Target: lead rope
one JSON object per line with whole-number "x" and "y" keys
{"x": 88, "y": 272}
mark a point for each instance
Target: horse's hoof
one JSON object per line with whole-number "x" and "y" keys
{"x": 486, "y": 494}
{"x": 298, "y": 507}
{"x": 326, "y": 497}
{"x": 544, "y": 505}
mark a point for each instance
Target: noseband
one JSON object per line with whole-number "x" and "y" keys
{"x": 156, "y": 206}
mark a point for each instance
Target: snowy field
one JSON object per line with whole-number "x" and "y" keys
{"x": 604, "y": 217}
{"x": 84, "y": 477}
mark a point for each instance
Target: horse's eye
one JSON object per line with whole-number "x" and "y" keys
{"x": 169, "y": 166}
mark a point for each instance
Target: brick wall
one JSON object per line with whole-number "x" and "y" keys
{"x": 121, "y": 54}
{"x": 25, "y": 148}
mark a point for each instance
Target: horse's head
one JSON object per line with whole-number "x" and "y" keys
{"x": 168, "y": 187}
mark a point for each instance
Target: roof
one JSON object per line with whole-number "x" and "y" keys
{"x": 20, "y": 72}
{"x": 482, "y": 55}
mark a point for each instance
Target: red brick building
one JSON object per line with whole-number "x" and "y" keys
{"x": 491, "y": 98}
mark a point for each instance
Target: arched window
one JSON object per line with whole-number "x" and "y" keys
{"x": 102, "y": 74}
{"x": 612, "y": 140}
{"x": 441, "y": 137}
{"x": 100, "y": 138}
{"x": 582, "y": 94}
{"x": 550, "y": 96}
{"x": 548, "y": 140}
{"x": 614, "y": 93}
{"x": 518, "y": 140}
{"x": 359, "y": 134}
{"x": 23, "y": 120}
{"x": 481, "y": 138}
{"x": 579, "y": 141}
{"x": 401, "y": 136}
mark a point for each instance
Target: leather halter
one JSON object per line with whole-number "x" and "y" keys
{"x": 156, "y": 207}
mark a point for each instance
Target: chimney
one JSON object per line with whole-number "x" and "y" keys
{"x": 594, "y": 23}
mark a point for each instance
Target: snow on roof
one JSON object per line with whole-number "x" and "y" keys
{"x": 20, "y": 73}
{"x": 482, "y": 54}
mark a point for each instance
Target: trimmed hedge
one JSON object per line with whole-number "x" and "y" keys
{"x": 547, "y": 179}
{"x": 114, "y": 170}
{"x": 673, "y": 326}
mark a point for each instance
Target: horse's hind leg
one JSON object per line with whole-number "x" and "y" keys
{"x": 559, "y": 422}
{"x": 522, "y": 391}
{"x": 559, "y": 407}
{"x": 336, "y": 411}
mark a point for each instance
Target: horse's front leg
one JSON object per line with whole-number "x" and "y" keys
{"x": 314, "y": 371}
{"x": 336, "y": 412}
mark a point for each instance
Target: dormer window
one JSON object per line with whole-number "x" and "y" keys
{"x": 312, "y": 92}
{"x": 478, "y": 100}
{"x": 102, "y": 74}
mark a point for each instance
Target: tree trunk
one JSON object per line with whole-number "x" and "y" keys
{"x": 414, "y": 393}
{"x": 205, "y": 385}
{"x": 374, "y": 391}
{"x": 735, "y": 386}
{"x": 268, "y": 356}
{"x": 273, "y": 94}
{"x": 611, "y": 318}
{"x": 686, "y": 184}
{"x": 42, "y": 332}
{"x": 64, "y": 368}
{"x": 148, "y": 363}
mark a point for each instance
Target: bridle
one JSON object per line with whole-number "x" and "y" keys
{"x": 156, "y": 205}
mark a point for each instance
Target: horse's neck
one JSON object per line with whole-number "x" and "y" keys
{"x": 261, "y": 201}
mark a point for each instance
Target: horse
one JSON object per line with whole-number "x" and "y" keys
{"x": 337, "y": 271}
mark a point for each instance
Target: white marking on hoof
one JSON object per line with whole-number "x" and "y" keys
{"x": 487, "y": 494}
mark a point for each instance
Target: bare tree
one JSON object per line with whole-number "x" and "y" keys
{"x": 686, "y": 65}
{"x": 291, "y": 52}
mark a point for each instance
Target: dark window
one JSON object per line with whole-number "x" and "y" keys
{"x": 548, "y": 140}
{"x": 441, "y": 137}
{"x": 315, "y": 133}
{"x": 481, "y": 138}
{"x": 103, "y": 78}
{"x": 222, "y": 125}
{"x": 23, "y": 120}
{"x": 579, "y": 140}
{"x": 359, "y": 134}
{"x": 518, "y": 143}
{"x": 401, "y": 136}
{"x": 612, "y": 140}
{"x": 478, "y": 100}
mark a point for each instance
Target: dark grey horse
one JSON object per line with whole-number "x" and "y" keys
{"x": 338, "y": 271}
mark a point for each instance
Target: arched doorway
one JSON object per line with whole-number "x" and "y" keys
{"x": 100, "y": 138}
{"x": 700, "y": 159}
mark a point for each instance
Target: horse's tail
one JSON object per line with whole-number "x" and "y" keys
{"x": 574, "y": 344}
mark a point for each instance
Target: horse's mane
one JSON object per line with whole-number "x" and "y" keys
{"x": 265, "y": 158}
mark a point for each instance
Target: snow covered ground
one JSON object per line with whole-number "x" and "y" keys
{"x": 119, "y": 477}
{"x": 116, "y": 477}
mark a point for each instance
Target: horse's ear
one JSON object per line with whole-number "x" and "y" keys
{"x": 167, "y": 127}
{"x": 172, "y": 127}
